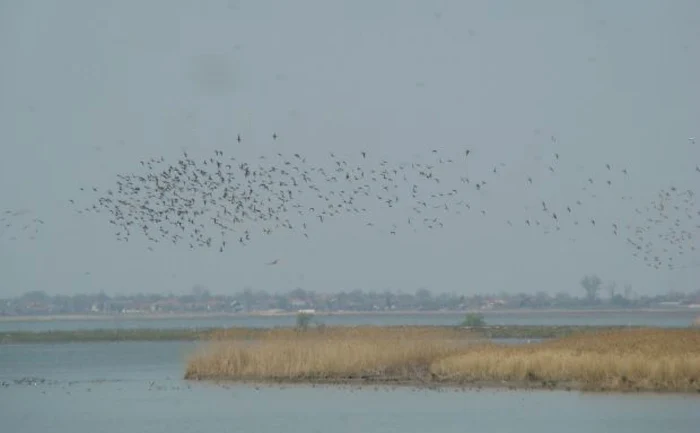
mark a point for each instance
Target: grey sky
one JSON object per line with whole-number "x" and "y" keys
{"x": 88, "y": 89}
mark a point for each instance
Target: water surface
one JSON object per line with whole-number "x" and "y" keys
{"x": 137, "y": 386}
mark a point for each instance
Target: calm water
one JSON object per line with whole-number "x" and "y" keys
{"x": 117, "y": 387}
{"x": 680, "y": 318}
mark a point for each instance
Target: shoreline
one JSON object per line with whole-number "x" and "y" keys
{"x": 391, "y": 384}
{"x": 523, "y": 332}
{"x": 264, "y": 314}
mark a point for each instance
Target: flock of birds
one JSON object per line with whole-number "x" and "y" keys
{"x": 68, "y": 387}
{"x": 19, "y": 224}
{"x": 665, "y": 237}
{"x": 221, "y": 200}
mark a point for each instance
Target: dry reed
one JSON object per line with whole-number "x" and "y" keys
{"x": 336, "y": 353}
{"x": 636, "y": 359}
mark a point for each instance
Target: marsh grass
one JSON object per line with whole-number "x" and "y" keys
{"x": 621, "y": 360}
{"x": 381, "y": 353}
{"x": 629, "y": 360}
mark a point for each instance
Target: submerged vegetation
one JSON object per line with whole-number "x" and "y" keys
{"x": 612, "y": 360}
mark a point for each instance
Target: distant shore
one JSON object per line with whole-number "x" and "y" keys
{"x": 522, "y": 332}
{"x": 187, "y": 316}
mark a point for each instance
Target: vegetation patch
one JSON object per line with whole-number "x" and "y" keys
{"x": 337, "y": 353}
{"x": 304, "y": 325}
{"x": 244, "y": 334}
{"x": 543, "y": 332}
{"x": 474, "y": 320}
{"x": 628, "y": 360}
{"x": 95, "y": 335}
{"x": 613, "y": 360}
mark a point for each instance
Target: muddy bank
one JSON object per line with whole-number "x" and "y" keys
{"x": 391, "y": 383}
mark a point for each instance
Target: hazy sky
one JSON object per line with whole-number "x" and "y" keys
{"x": 89, "y": 88}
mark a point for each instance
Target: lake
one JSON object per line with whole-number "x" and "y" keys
{"x": 137, "y": 387}
{"x": 666, "y": 318}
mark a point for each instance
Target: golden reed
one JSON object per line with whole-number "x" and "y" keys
{"x": 629, "y": 360}
{"x": 625, "y": 360}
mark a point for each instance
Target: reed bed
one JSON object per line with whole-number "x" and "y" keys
{"x": 631, "y": 360}
{"x": 337, "y": 353}
{"x": 621, "y": 360}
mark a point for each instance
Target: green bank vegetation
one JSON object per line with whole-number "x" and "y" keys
{"x": 474, "y": 320}
{"x": 93, "y": 335}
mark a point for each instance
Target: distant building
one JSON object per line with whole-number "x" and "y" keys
{"x": 670, "y": 304}
{"x": 298, "y": 303}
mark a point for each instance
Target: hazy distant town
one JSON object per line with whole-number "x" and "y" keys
{"x": 593, "y": 294}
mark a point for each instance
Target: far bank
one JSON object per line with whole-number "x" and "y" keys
{"x": 273, "y": 313}
{"x": 243, "y": 333}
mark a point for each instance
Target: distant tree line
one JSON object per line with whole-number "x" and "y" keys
{"x": 594, "y": 293}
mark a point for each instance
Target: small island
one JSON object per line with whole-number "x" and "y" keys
{"x": 628, "y": 360}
